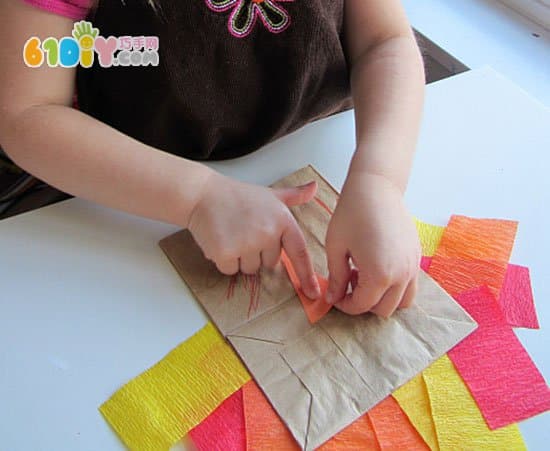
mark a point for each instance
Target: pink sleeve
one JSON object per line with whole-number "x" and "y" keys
{"x": 73, "y": 9}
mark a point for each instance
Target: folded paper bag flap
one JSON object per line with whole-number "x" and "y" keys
{"x": 338, "y": 393}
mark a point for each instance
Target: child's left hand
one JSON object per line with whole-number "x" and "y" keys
{"x": 372, "y": 227}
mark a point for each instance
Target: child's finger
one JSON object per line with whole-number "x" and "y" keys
{"x": 354, "y": 278}
{"x": 362, "y": 299}
{"x": 295, "y": 246}
{"x": 390, "y": 301}
{"x": 228, "y": 266}
{"x": 270, "y": 257}
{"x": 339, "y": 275}
{"x": 296, "y": 195}
{"x": 250, "y": 263}
{"x": 410, "y": 293}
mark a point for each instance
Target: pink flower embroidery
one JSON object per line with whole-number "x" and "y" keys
{"x": 245, "y": 13}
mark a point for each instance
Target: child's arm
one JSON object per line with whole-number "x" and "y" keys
{"x": 238, "y": 226}
{"x": 371, "y": 223}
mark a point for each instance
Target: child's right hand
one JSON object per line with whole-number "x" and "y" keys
{"x": 241, "y": 227}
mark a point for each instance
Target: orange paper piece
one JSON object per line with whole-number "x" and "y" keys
{"x": 478, "y": 239}
{"x": 456, "y": 275}
{"x": 358, "y": 435}
{"x": 264, "y": 428}
{"x": 473, "y": 252}
{"x": 393, "y": 428}
{"x": 315, "y": 309}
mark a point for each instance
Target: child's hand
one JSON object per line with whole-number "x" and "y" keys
{"x": 372, "y": 227}
{"x": 241, "y": 227}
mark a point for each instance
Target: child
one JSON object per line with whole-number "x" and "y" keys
{"x": 232, "y": 76}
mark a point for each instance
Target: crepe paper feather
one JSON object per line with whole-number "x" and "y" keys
{"x": 315, "y": 308}
{"x": 473, "y": 252}
{"x": 413, "y": 399}
{"x": 157, "y": 408}
{"x": 457, "y": 419}
{"x": 495, "y": 366}
{"x": 224, "y": 428}
{"x": 393, "y": 429}
{"x": 516, "y": 298}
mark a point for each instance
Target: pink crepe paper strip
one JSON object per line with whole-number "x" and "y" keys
{"x": 224, "y": 428}
{"x": 425, "y": 263}
{"x": 516, "y": 298}
{"x": 499, "y": 373}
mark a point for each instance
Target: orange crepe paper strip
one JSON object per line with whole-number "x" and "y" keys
{"x": 473, "y": 252}
{"x": 315, "y": 309}
{"x": 478, "y": 239}
{"x": 393, "y": 428}
{"x": 456, "y": 275}
{"x": 359, "y": 435}
{"x": 264, "y": 428}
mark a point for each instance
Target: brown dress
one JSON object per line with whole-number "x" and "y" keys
{"x": 233, "y": 74}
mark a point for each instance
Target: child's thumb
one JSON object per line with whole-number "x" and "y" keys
{"x": 296, "y": 195}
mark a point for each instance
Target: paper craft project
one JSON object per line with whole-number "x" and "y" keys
{"x": 413, "y": 399}
{"x": 393, "y": 429}
{"x": 321, "y": 377}
{"x": 516, "y": 298}
{"x": 224, "y": 428}
{"x": 457, "y": 419}
{"x": 156, "y": 409}
{"x": 501, "y": 376}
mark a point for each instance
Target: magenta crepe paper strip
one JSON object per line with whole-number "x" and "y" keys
{"x": 224, "y": 428}
{"x": 516, "y": 298}
{"x": 499, "y": 373}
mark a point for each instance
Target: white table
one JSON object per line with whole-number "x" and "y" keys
{"x": 479, "y": 32}
{"x": 88, "y": 300}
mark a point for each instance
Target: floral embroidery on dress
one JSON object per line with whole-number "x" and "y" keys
{"x": 244, "y": 14}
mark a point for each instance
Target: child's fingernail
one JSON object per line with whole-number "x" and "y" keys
{"x": 330, "y": 298}
{"x": 315, "y": 288}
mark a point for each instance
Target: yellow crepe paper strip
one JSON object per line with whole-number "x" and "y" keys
{"x": 413, "y": 396}
{"x": 458, "y": 421}
{"x": 430, "y": 236}
{"x": 413, "y": 399}
{"x": 157, "y": 408}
